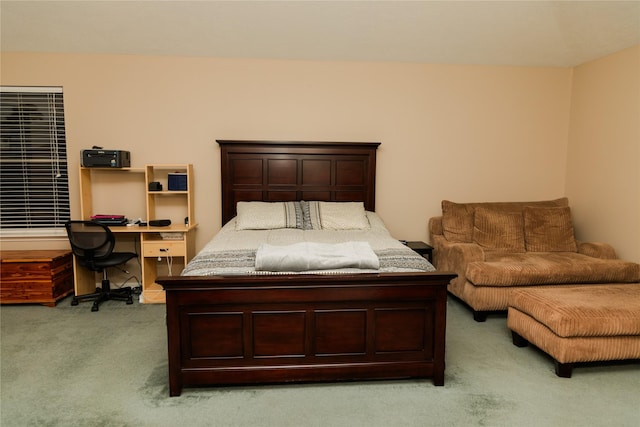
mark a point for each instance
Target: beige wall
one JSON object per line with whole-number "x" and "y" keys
{"x": 603, "y": 165}
{"x": 464, "y": 133}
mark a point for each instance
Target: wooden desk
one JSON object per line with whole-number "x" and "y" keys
{"x": 152, "y": 246}
{"x": 169, "y": 203}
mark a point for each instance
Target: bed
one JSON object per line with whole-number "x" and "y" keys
{"x": 241, "y": 325}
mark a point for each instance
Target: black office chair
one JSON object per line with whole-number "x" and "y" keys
{"x": 92, "y": 244}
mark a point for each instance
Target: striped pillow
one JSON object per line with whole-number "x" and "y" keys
{"x": 335, "y": 216}
{"x": 268, "y": 215}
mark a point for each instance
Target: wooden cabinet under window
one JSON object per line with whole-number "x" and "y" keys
{"x": 35, "y": 276}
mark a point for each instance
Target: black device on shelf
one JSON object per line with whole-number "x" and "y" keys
{"x": 98, "y": 158}
{"x": 155, "y": 186}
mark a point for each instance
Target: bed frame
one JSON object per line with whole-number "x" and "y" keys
{"x": 272, "y": 329}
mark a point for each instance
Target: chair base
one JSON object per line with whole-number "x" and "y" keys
{"x": 105, "y": 294}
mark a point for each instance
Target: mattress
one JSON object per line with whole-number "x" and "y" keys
{"x": 233, "y": 252}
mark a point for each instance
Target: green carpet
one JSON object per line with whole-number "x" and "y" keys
{"x": 67, "y": 366}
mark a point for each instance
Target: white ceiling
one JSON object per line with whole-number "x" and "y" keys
{"x": 529, "y": 33}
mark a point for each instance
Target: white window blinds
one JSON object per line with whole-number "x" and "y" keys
{"x": 34, "y": 180}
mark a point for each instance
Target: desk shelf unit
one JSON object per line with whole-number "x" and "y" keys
{"x": 165, "y": 243}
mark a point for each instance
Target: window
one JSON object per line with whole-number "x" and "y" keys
{"x": 34, "y": 180}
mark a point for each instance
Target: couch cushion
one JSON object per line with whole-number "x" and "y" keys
{"x": 535, "y": 268}
{"x": 457, "y": 222}
{"x": 585, "y": 311}
{"x": 497, "y": 230}
{"x": 548, "y": 229}
{"x": 457, "y": 218}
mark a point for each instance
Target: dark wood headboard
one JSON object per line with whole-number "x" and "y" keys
{"x": 283, "y": 171}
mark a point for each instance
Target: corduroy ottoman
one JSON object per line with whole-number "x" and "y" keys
{"x": 585, "y": 323}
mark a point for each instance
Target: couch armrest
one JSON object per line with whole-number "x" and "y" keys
{"x": 597, "y": 250}
{"x": 435, "y": 227}
{"x": 448, "y": 256}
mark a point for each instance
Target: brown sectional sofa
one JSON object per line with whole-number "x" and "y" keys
{"x": 496, "y": 247}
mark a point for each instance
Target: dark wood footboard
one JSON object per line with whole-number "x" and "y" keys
{"x": 269, "y": 329}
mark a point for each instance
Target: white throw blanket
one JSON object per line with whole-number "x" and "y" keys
{"x": 310, "y": 256}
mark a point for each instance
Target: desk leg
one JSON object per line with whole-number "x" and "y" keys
{"x": 152, "y": 293}
{"x": 84, "y": 280}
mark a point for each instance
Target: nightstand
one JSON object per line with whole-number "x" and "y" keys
{"x": 423, "y": 249}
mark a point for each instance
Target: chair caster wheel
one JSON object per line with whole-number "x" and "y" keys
{"x": 130, "y": 300}
{"x": 95, "y": 308}
{"x": 74, "y": 302}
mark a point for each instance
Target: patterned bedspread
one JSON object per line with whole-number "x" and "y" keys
{"x": 233, "y": 252}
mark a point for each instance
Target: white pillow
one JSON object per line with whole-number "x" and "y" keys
{"x": 343, "y": 216}
{"x": 268, "y": 215}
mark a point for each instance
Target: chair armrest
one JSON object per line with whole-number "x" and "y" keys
{"x": 597, "y": 250}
